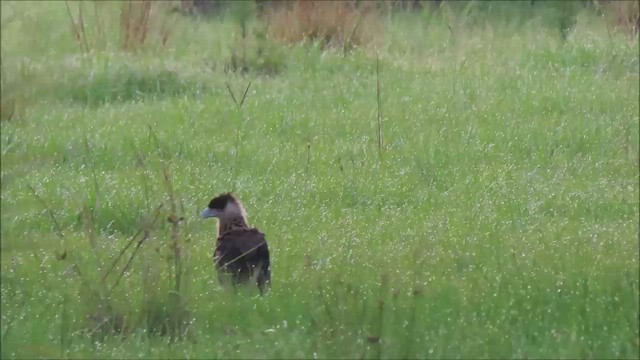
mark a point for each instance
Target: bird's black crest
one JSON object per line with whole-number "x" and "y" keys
{"x": 219, "y": 202}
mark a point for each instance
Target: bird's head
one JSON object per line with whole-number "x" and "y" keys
{"x": 225, "y": 207}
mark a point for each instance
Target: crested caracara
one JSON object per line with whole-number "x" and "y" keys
{"x": 241, "y": 251}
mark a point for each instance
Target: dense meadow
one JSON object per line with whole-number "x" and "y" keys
{"x": 458, "y": 181}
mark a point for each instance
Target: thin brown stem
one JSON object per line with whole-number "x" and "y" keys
{"x": 113, "y": 265}
{"x": 73, "y": 25}
{"x": 49, "y": 211}
{"x": 138, "y": 245}
{"x": 380, "y": 139}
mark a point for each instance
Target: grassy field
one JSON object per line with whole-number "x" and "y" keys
{"x": 498, "y": 218}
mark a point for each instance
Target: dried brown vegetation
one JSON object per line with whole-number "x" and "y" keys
{"x": 15, "y": 94}
{"x": 140, "y": 22}
{"x": 624, "y": 15}
{"x": 337, "y": 24}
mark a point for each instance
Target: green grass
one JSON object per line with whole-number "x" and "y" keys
{"x": 501, "y": 221}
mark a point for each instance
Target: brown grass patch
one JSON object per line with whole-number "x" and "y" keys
{"x": 335, "y": 24}
{"x": 623, "y": 15}
{"x": 141, "y": 22}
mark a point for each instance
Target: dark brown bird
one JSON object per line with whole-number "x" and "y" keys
{"x": 242, "y": 254}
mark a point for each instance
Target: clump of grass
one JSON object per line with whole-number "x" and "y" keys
{"x": 256, "y": 54}
{"x": 123, "y": 83}
{"x": 141, "y": 24}
{"x": 332, "y": 24}
{"x": 252, "y": 50}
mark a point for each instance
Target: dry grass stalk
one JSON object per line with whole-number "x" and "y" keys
{"x": 624, "y": 15}
{"x": 139, "y": 20}
{"x": 379, "y": 108}
{"x": 239, "y": 129}
{"x": 174, "y": 220}
{"x": 628, "y": 15}
{"x": 134, "y": 23}
{"x": 49, "y": 211}
{"x": 78, "y": 27}
{"x": 146, "y": 229}
{"x": 339, "y": 24}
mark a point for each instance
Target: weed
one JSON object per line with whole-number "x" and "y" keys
{"x": 122, "y": 83}
{"x": 252, "y": 50}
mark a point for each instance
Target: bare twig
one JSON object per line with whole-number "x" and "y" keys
{"x": 126, "y": 266}
{"x": 233, "y": 97}
{"x": 98, "y": 23}
{"x": 125, "y": 22}
{"x": 88, "y": 221}
{"x": 63, "y": 326}
{"x": 380, "y": 140}
{"x": 82, "y": 32}
{"x": 152, "y": 134}
{"x": 143, "y": 176}
{"x": 143, "y": 24}
{"x": 238, "y": 131}
{"x": 90, "y": 164}
{"x": 49, "y": 211}
{"x": 115, "y": 262}
{"x": 144, "y": 228}
{"x": 130, "y": 243}
{"x": 348, "y": 44}
{"x": 174, "y": 220}
{"x": 73, "y": 25}
{"x": 88, "y": 211}
{"x": 3, "y": 76}
{"x": 245, "y": 94}
{"x": 308, "y": 156}
{"x": 384, "y": 281}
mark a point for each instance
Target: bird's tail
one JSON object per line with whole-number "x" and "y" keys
{"x": 263, "y": 276}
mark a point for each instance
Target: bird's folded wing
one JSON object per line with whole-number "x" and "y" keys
{"x": 244, "y": 242}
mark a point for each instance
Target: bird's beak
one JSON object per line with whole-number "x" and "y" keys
{"x": 207, "y": 213}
